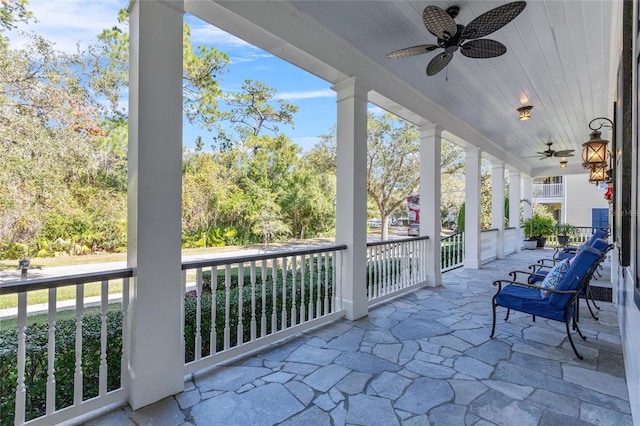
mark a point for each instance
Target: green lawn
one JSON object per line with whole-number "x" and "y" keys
{"x": 63, "y": 293}
{"x": 64, "y": 314}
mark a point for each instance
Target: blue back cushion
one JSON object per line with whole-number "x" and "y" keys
{"x": 599, "y": 233}
{"x": 600, "y": 244}
{"x": 582, "y": 263}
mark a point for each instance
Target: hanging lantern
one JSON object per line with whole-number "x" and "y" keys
{"x": 594, "y": 151}
{"x": 598, "y": 173}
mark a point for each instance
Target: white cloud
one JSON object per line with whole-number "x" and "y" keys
{"x": 204, "y": 33}
{"x": 69, "y": 22}
{"x": 307, "y": 94}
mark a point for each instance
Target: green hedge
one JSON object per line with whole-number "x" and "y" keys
{"x": 36, "y": 363}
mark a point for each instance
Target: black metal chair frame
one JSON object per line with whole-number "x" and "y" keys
{"x": 571, "y": 308}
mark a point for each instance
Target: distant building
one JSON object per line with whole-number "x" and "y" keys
{"x": 572, "y": 199}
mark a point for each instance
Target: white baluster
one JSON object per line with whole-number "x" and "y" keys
{"x": 373, "y": 286}
{"x": 213, "y": 338}
{"x": 294, "y": 311}
{"x": 104, "y": 307}
{"x": 77, "y": 377}
{"x": 274, "y": 298}
{"x": 319, "y": 289}
{"x": 370, "y": 270}
{"x": 253, "y": 300}
{"x": 303, "y": 267}
{"x": 334, "y": 272}
{"x": 21, "y": 390}
{"x": 339, "y": 282}
{"x": 198, "y": 336}
{"x": 284, "y": 294}
{"x": 326, "y": 283}
{"x": 51, "y": 352}
{"x": 183, "y": 292}
{"x": 263, "y": 318}
{"x": 240, "y": 335}
{"x": 124, "y": 361}
{"x": 310, "y": 315}
{"x": 227, "y": 303}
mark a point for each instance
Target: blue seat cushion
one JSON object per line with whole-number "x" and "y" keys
{"x": 528, "y": 300}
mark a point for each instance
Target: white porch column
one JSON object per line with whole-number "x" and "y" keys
{"x": 351, "y": 197}
{"x": 472, "y": 208}
{"x": 527, "y": 195}
{"x": 430, "y": 194}
{"x": 497, "y": 204}
{"x": 514, "y": 204}
{"x": 154, "y": 200}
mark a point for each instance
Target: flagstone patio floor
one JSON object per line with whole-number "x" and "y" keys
{"x": 423, "y": 358}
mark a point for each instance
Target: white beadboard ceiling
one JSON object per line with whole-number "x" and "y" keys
{"x": 558, "y": 60}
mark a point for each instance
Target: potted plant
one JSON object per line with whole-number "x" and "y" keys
{"x": 564, "y": 232}
{"x": 538, "y": 228}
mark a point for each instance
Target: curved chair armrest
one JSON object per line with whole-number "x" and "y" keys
{"x": 550, "y": 290}
{"x": 514, "y": 275}
{"x": 547, "y": 262}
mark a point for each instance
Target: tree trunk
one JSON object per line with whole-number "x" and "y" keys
{"x": 385, "y": 227}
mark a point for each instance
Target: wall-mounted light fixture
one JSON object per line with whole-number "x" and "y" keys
{"x": 598, "y": 173}
{"x": 525, "y": 112}
{"x": 594, "y": 151}
{"x": 563, "y": 164}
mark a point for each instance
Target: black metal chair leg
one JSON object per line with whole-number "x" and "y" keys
{"x": 493, "y": 328}
{"x": 573, "y": 346}
{"x": 507, "y": 317}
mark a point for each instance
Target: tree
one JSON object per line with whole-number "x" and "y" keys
{"x": 252, "y": 110}
{"x": 202, "y": 67}
{"x": 12, "y": 12}
{"x": 393, "y": 157}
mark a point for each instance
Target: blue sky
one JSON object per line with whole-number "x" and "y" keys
{"x": 71, "y": 22}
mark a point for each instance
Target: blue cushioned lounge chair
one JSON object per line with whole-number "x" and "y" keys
{"x": 570, "y": 251}
{"x": 560, "y": 306}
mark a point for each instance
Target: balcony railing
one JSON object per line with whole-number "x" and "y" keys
{"x": 241, "y": 303}
{"x": 65, "y": 367}
{"x": 394, "y": 266}
{"x": 452, "y": 249}
{"x": 74, "y": 359}
{"x": 547, "y": 190}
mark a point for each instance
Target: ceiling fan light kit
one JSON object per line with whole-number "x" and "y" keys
{"x": 525, "y": 112}
{"x": 563, "y": 164}
{"x": 452, "y": 37}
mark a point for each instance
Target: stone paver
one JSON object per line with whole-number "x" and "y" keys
{"x": 423, "y": 358}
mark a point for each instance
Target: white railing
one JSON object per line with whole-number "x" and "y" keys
{"x": 547, "y": 190}
{"x": 395, "y": 266}
{"x": 512, "y": 240}
{"x": 452, "y": 249}
{"x": 242, "y": 303}
{"x": 64, "y": 368}
{"x": 488, "y": 245}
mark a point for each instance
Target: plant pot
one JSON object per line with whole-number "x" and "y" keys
{"x": 530, "y": 244}
{"x": 541, "y": 242}
{"x": 563, "y": 240}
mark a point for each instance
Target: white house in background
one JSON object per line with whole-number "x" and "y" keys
{"x": 572, "y": 199}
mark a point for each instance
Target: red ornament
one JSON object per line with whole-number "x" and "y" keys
{"x": 608, "y": 195}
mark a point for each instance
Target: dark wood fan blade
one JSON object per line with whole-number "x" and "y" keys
{"x": 439, "y": 23}
{"x": 483, "y": 48}
{"x": 493, "y": 20}
{"x": 412, "y": 51}
{"x": 565, "y": 153}
{"x": 438, "y": 63}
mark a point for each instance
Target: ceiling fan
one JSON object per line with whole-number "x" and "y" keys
{"x": 452, "y": 36}
{"x": 548, "y": 153}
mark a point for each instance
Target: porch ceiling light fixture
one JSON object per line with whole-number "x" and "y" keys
{"x": 525, "y": 112}
{"x": 598, "y": 173}
{"x": 594, "y": 151}
{"x": 563, "y": 164}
